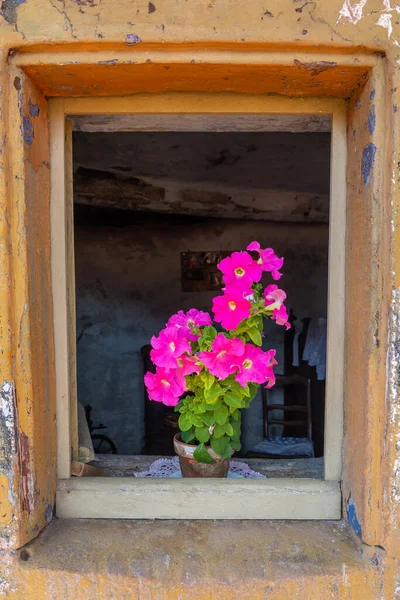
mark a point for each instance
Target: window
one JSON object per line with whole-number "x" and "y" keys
{"x": 156, "y": 498}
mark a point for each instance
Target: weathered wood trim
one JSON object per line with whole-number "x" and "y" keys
{"x": 130, "y": 498}
{"x": 213, "y": 122}
{"x": 336, "y": 297}
{"x": 198, "y": 103}
{"x": 61, "y": 281}
{"x": 210, "y": 56}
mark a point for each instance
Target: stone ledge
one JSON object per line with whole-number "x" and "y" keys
{"x": 85, "y": 559}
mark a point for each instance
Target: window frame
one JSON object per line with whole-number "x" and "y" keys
{"x": 126, "y": 497}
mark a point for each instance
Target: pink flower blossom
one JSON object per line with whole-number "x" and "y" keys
{"x": 280, "y": 315}
{"x": 168, "y": 347}
{"x": 253, "y": 247}
{"x": 268, "y": 260}
{"x": 163, "y": 386}
{"x": 186, "y": 366}
{"x": 274, "y": 297}
{"x": 185, "y": 322}
{"x": 255, "y": 366}
{"x": 221, "y": 361}
{"x": 270, "y": 370}
{"x": 240, "y": 270}
{"x": 231, "y": 308}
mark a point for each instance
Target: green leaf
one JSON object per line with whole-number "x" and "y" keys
{"x": 208, "y": 418}
{"x": 221, "y": 446}
{"x": 253, "y": 387}
{"x": 233, "y": 399}
{"x": 236, "y": 425}
{"x": 209, "y": 335}
{"x": 219, "y": 431}
{"x": 221, "y": 414}
{"x": 196, "y": 420}
{"x": 243, "y": 391}
{"x": 207, "y": 379}
{"x": 188, "y": 436}
{"x": 228, "y": 429}
{"x": 215, "y": 404}
{"x": 179, "y": 406}
{"x": 213, "y": 393}
{"x": 236, "y": 445}
{"x": 202, "y": 434}
{"x": 185, "y": 422}
{"x": 235, "y": 414}
{"x": 201, "y": 455}
{"x": 258, "y": 321}
{"x": 255, "y": 336}
{"x": 199, "y": 408}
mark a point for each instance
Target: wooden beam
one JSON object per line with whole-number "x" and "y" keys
{"x": 109, "y": 190}
{"x": 294, "y": 123}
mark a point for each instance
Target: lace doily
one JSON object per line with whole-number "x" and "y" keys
{"x": 164, "y": 468}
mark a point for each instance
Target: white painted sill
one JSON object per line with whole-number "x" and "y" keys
{"x": 132, "y": 498}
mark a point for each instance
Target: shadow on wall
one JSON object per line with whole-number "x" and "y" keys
{"x": 128, "y": 283}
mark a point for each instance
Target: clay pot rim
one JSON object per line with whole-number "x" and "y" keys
{"x": 214, "y": 455}
{"x": 179, "y": 440}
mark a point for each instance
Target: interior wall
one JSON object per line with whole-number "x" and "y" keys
{"x": 128, "y": 284}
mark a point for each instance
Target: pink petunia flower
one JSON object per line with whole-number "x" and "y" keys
{"x": 280, "y": 315}
{"x": 231, "y": 308}
{"x": 221, "y": 360}
{"x": 185, "y": 322}
{"x": 268, "y": 260}
{"x": 274, "y": 297}
{"x": 255, "y": 366}
{"x": 163, "y": 386}
{"x": 270, "y": 370}
{"x": 240, "y": 270}
{"x": 168, "y": 347}
{"x": 186, "y": 366}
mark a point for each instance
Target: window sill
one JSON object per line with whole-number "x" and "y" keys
{"x": 119, "y": 465}
{"x": 130, "y": 498}
{"x": 176, "y": 559}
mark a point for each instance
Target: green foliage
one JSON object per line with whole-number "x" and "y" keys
{"x": 202, "y": 434}
{"x": 188, "y": 436}
{"x": 201, "y": 454}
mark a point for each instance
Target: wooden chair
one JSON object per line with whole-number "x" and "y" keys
{"x": 287, "y": 447}
{"x": 161, "y": 422}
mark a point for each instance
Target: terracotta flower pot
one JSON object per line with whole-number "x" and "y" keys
{"x": 190, "y": 467}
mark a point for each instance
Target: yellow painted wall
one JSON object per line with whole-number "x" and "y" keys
{"x": 348, "y": 49}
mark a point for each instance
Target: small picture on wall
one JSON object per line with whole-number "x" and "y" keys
{"x": 199, "y": 272}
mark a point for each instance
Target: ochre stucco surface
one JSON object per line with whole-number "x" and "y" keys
{"x": 347, "y": 49}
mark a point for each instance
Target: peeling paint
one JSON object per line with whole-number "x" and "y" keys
{"x": 28, "y": 130}
{"x": 26, "y": 476}
{"x": 352, "y": 13}
{"x": 352, "y": 516}
{"x": 34, "y": 110}
{"x": 132, "y": 39}
{"x": 367, "y": 162}
{"x": 316, "y": 67}
{"x": 8, "y": 428}
{"x": 393, "y": 387}
{"x": 385, "y": 21}
{"x": 372, "y": 120}
{"x": 8, "y": 10}
{"x": 48, "y": 513}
